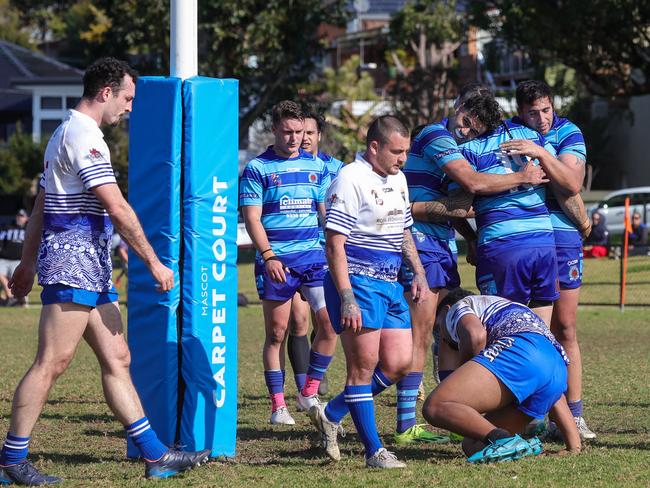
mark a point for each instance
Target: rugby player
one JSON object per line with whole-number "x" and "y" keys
{"x": 566, "y": 173}
{"x": 282, "y": 193}
{"x": 434, "y": 159}
{"x": 297, "y": 344}
{"x": 511, "y": 370}
{"x": 68, "y": 238}
{"x": 368, "y": 221}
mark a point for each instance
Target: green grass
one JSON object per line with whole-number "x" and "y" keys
{"x": 77, "y": 437}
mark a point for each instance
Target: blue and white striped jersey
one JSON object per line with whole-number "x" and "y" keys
{"x": 566, "y": 138}
{"x": 333, "y": 165}
{"x": 501, "y": 318}
{"x": 432, "y": 148}
{"x": 288, "y": 190}
{"x": 77, "y": 232}
{"x": 372, "y": 211}
{"x": 516, "y": 215}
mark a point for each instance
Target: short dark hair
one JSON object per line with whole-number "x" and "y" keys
{"x": 106, "y": 72}
{"x": 484, "y": 107}
{"x": 471, "y": 90}
{"x": 311, "y": 113}
{"x": 286, "y": 109}
{"x": 531, "y": 90}
{"x": 382, "y": 127}
{"x": 454, "y": 296}
{"x": 416, "y": 131}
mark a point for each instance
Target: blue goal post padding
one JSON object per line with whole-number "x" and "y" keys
{"x": 209, "y": 329}
{"x": 155, "y": 194}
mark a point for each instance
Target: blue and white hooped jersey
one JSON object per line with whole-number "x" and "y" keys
{"x": 333, "y": 165}
{"x": 507, "y": 218}
{"x": 289, "y": 191}
{"x": 433, "y": 147}
{"x": 77, "y": 231}
{"x": 566, "y": 138}
{"x": 372, "y": 211}
{"x": 501, "y": 318}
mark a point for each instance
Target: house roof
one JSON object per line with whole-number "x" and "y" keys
{"x": 21, "y": 66}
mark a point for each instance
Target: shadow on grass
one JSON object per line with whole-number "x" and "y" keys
{"x": 640, "y": 445}
{"x": 417, "y": 452}
{"x": 118, "y": 434}
{"x": 623, "y": 404}
{"x": 60, "y": 458}
{"x": 90, "y": 417}
{"x": 250, "y": 434}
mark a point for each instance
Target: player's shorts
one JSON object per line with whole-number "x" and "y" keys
{"x": 382, "y": 303}
{"x": 532, "y": 369}
{"x": 441, "y": 270}
{"x": 307, "y": 279}
{"x": 520, "y": 274}
{"x": 66, "y": 294}
{"x": 8, "y": 267}
{"x": 569, "y": 267}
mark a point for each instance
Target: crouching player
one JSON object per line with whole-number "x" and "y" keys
{"x": 368, "y": 221}
{"x": 511, "y": 370}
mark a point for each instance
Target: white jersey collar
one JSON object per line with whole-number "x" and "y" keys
{"x": 85, "y": 120}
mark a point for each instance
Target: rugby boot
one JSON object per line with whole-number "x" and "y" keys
{"x": 281, "y": 417}
{"x": 508, "y": 449}
{"x": 174, "y": 462}
{"x": 328, "y": 430}
{"x": 585, "y": 432}
{"x": 384, "y": 459}
{"x": 418, "y": 433}
{"x": 303, "y": 403}
{"x": 25, "y": 474}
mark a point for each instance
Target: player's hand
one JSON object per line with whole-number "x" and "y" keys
{"x": 22, "y": 281}
{"x": 525, "y": 147}
{"x": 533, "y": 174}
{"x": 471, "y": 253}
{"x": 276, "y": 270}
{"x": 350, "y": 311}
{"x": 163, "y": 276}
{"x": 420, "y": 291}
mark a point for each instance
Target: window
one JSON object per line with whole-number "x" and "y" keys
{"x": 71, "y": 102}
{"x": 51, "y": 103}
{"x": 48, "y": 126}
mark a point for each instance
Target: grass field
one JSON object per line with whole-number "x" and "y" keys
{"x": 78, "y": 439}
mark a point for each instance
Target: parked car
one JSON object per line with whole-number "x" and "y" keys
{"x": 613, "y": 207}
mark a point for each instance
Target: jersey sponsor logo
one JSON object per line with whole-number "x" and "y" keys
{"x": 313, "y": 178}
{"x": 249, "y": 195}
{"x": 378, "y": 200}
{"x": 295, "y": 205}
{"x": 493, "y": 351}
{"x": 275, "y": 179}
{"x": 388, "y": 189}
{"x": 334, "y": 199}
{"x": 95, "y": 154}
{"x": 442, "y": 154}
{"x": 574, "y": 273}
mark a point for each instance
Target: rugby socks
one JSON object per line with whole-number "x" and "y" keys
{"x": 576, "y": 408}
{"x": 275, "y": 383}
{"x": 362, "y": 408}
{"x": 318, "y": 364}
{"x": 407, "y": 396}
{"x": 298, "y": 350}
{"x": 14, "y": 450}
{"x": 146, "y": 440}
{"x": 336, "y": 408}
{"x": 442, "y": 374}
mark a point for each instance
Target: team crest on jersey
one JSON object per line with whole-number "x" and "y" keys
{"x": 313, "y": 178}
{"x": 378, "y": 200}
{"x": 95, "y": 154}
{"x": 275, "y": 178}
{"x": 334, "y": 199}
{"x": 574, "y": 273}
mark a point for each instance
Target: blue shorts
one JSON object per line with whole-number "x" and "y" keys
{"x": 569, "y": 267}
{"x": 440, "y": 268}
{"x": 382, "y": 303}
{"x": 310, "y": 275}
{"x": 520, "y": 274}
{"x": 67, "y": 294}
{"x": 532, "y": 369}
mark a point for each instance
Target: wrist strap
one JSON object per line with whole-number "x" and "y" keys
{"x": 264, "y": 252}
{"x": 272, "y": 258}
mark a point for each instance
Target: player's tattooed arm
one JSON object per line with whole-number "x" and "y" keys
{"x": 419, "y": 287}
{"x": 456, "y": 205}
{"x": 338, "y": 267}
{"x": 574, "y": 207}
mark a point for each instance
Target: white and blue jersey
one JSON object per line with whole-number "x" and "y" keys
{"x": 77, "y": 231}
{"x": 372, "y": 211}
{"x": 501, "y": 318}
{"x": 333, "y": 165}
{"x": 289, "y": 191}
{"x": 518, "y": 215}
{"x": 433, "y": 147}
{"x": 566, "y": 138}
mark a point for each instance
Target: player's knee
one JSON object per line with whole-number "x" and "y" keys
{"x": 432, "y": 410}
{"x": 275, "y": 335}
{"x": 52, "y": 368}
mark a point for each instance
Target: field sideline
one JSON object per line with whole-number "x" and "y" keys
{"x": 78, "y": 439}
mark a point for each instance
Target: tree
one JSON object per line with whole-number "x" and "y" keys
{"x": 21, "y": 162}
{"x": 11, "y": 27}
{"x": 606, "y": 42}
{"x": 424, "y": 37}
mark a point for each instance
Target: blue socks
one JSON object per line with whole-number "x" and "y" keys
{"x": 336, "y": 408}
{"x": 274, "y": 379}
{"x": 576, "y": 408}
{"x": 407, "y": 395}
{"x": 146, "y": 440}
{"x": 14, "y": 450}
{"x": 362, "y": 408}
{"x": 318, "y": 364}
